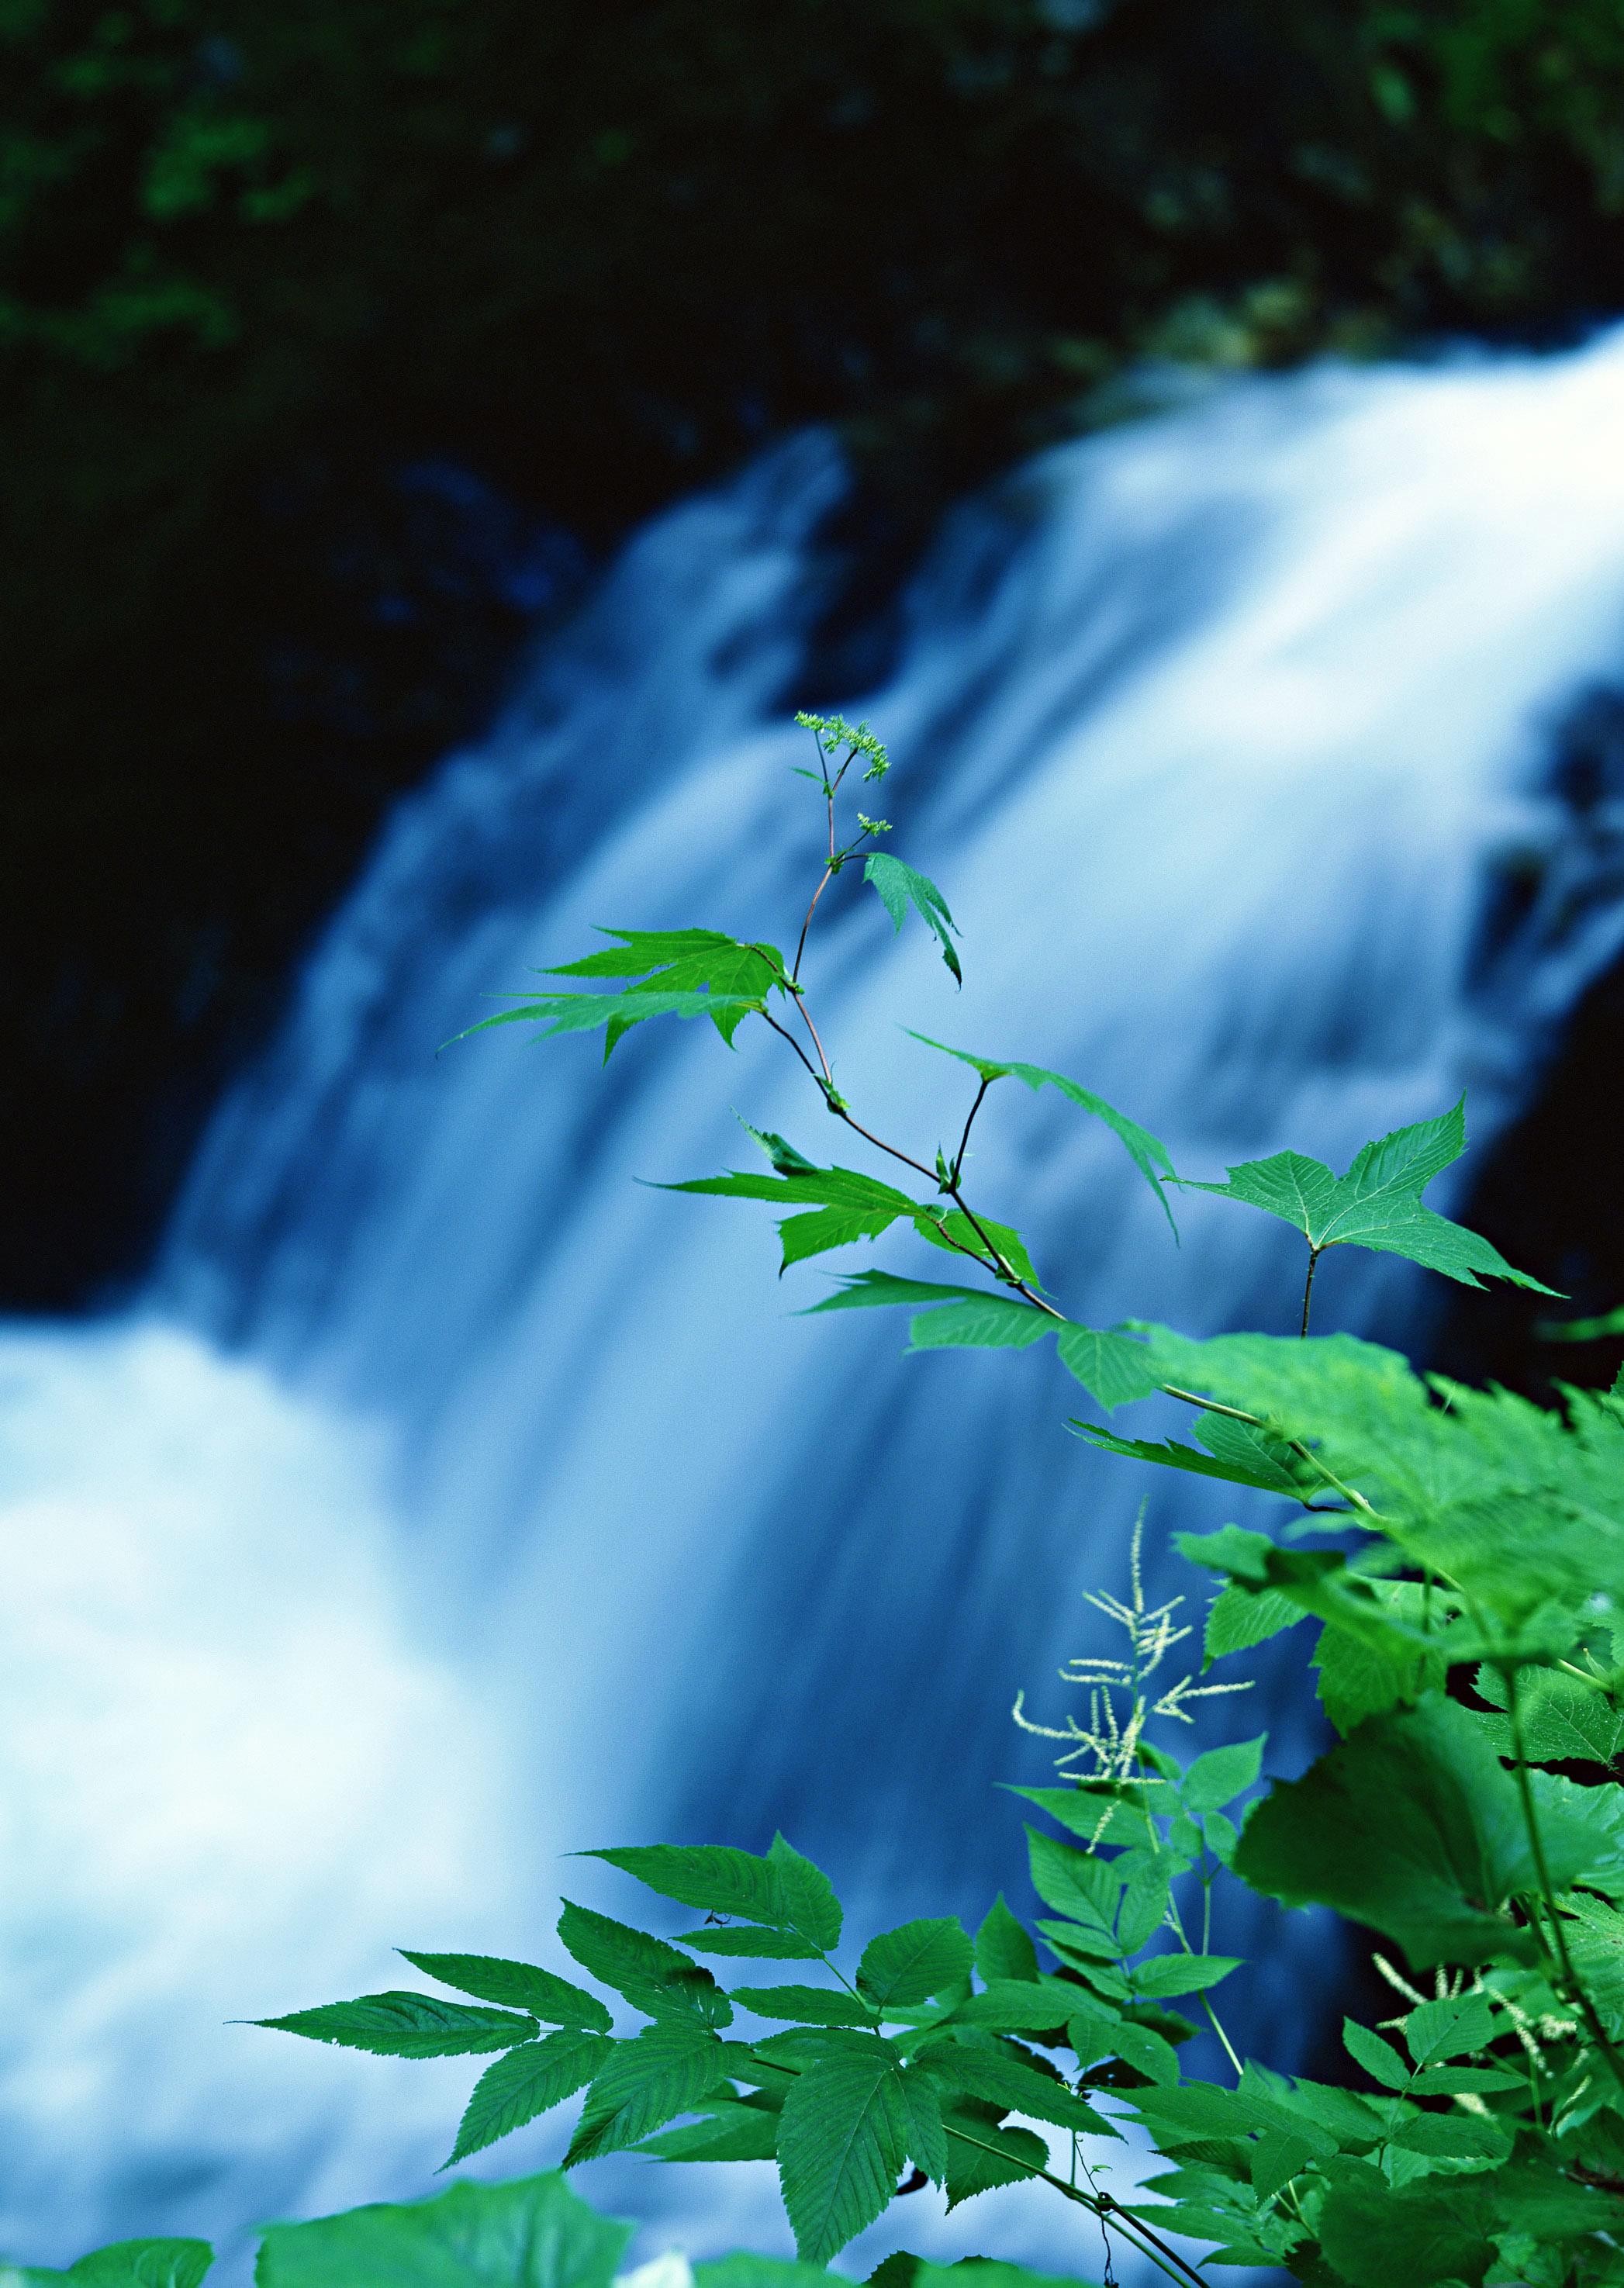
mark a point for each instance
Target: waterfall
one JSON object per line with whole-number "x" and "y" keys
{"x": 452, "y": 1500}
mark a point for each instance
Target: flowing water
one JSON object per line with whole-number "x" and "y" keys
{"x": 453, "y": 1499}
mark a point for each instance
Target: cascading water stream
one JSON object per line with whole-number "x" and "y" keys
{"x": 452, "y": 1500}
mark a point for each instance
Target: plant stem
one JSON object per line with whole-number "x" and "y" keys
{"x": 1576, "y": 1992}
{"x": 958, "y": 1158}
{"x": 1313, "y": 1265}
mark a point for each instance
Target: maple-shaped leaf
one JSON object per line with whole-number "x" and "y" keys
{"x": 692, "y": 973}
{"x": 1377, "y": 1204}
{"x": 901, "y": 887}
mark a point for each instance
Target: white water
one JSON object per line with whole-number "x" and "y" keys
{"x": 452, "y": 1501}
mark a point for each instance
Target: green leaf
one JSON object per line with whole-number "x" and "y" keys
{"x": 952, "y": 1229}
{"x": 1148, "y": 1153}
{"x": 1112, "y": 1368}
{"x": 1410, "y": 1825}
{"x": 1004, "y": 1948}
{"x": 532, "y": 2233}
{"x": 809, "y": 2005}
{"x": 1242, "y": 1618}
{"x": 842, "y": 1205}
{"x": 926, "y": 2132}
{"x": 124, "y": 2264}
{"x": 527, "y": 2082}
{"x": 1360, "y": 1676}
{"x": 1222, "y": 1774}
{"x": 521, "y": 1985}
{"x": 730, "y": 2129}
{"x": 1581, "y": 1331}
{"x": 1168, "y": 1975}
{"x": 1377, "y": 1204}
{"x": 750, "y": 1939}
{"x": 809, "y": 1905}
{"x": 645, "y": 2083}
{"x": 912, "y": 1963}
{"x": 400, "y": 2025}
{"x": 901, "y": 887}
{"x": 1453, "y": 2137}
{"x": 981, "y": 2156}
{"x": 1564, "y": 1720}
{"x": 999, "y": 2078}
{"x": 1084, "y": 1889}
{"x": 1235, "y": 1452}
{"x": 683, "y": 962}
{"x": 1377, "y": 2235}
{"x": 1449, "y": 2030}
{"x": 842, "y": 2143}
{"x": 655, "y": 1977}
{"x": 616, "y": 1013}
{"x": 714, "y": 1877}
{"x": 1379, "y": 2058}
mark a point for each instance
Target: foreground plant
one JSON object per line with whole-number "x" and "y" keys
{"x": 1460, "y": 1555}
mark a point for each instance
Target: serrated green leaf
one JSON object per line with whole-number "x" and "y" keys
{"x": 1381, "y": 2236}
{"x": 999, "y": 2079}
{"x": 683, "y": 962}
{"x": 519, "y": 1985}
{"x": 654, "y": 1977}
{"x": 979, "y": 1323}
{"x": 981, "y": 2154}
{"x": 1379, "y": 2058}
{"x": 1148, "y": 1153}
{"x": 839, "y": 1205}
{"x": 527, "y": 2082}
{"x": 1410, "y": 1825}
{"x": 1165, "y": 1976}
{"x": 1360, "y": 1676}
{"x": 752, "y": 1939}
{"x": 1243, "y": 1617}
{"x": 1564, "y": 1719}
{"x": 1240, "y": 1456}
{"x": 809, "y": 2005}
{"x": 1003, "y": 1947}
{"x": 916, "y": 1960}
{"x": 1449, "y": 2030}
{"x": 730, "y": 2129}
{"x": 810, "y": 1903}
{"x": 645, "y": 2083}
{"x": 1082, "y": 1887}
{"x": 952, "y": 1229}
{"x": 1112, "y": 1368}
{"x": 614, "y": 1014}
{"x": 1145, "y": 1903}
{"x": 402, "y": 2025}
{"x": 842, "y": 2143}
{"x": 1377, "y": 1204}
{"x": 901, "y": 889}
{"x": 1453, "y": 2137}
{"x": 926, "y": 2130}
{"x": 714, "y": 1877}
{"x": 532, "y": 2233}
{"x": 1216, "y": 1778}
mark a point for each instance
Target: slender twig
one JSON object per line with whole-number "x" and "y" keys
{"x": 1313, "y": 1265}
{"x": 829, "y": 876}
{"x": 957, "y": 1168}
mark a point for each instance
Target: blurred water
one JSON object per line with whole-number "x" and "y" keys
{"x": 453, "y": 1500}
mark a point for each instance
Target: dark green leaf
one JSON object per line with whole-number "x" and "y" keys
{"x": 999, "y": 2078}
{"x": 1449, "y": 2030}
{"x": 532, "y": 2233}
{"x": 1362, "y": 1676}
{"x": 655, "y": 1977}
{"x": 1379, "y": 2058}
{"x": 1453, "y": 2137}
{"x": 401, "y": 2025}
{"x": 1165, "y": 1976}
{"x": 1381, "y": 2236}
{"x": 520, "y": 1985}
{"x": 912, "y": 1963}
{"x": 926, "y": 2132}
{"x": 1084, "y": 1889}
{"x": 1564, "y": 1719}
{"x": 809, "y": 1905}
{"x": 645, "y": 2083}
{"x": 1410, "y": 1825}
{"x": 842, "y": 2143}
{"x": 1241, "y": 1618}
{"x": 1004, "y": 1948}
{"x": 527, "y": 2082}
{"x": 901, "y": 887}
